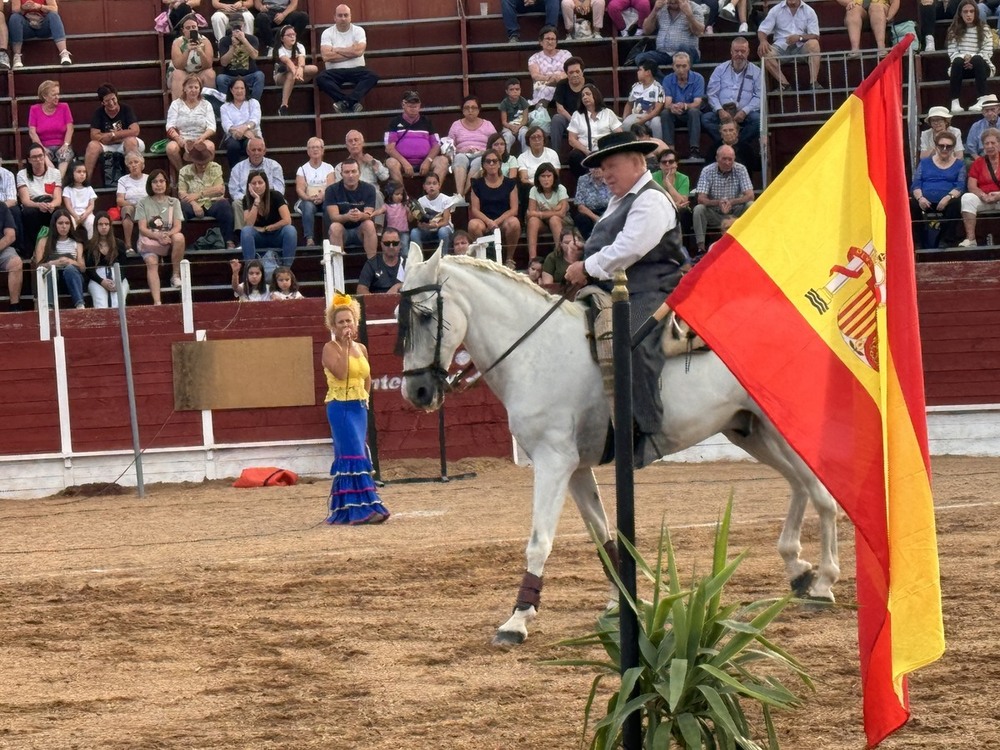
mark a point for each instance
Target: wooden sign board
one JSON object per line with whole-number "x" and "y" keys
{"x": 244, "y": 373}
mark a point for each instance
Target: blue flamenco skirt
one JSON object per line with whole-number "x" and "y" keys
{"x": 353, "y": 499}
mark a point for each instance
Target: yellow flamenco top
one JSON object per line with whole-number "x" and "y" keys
{"x": 352, "y": 389}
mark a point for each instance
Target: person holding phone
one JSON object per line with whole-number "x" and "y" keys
{"x": 191, "y": 53}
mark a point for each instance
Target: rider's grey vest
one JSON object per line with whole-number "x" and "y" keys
{"x": 657, "y": 270}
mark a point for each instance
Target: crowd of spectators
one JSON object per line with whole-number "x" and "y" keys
{"x": 507, "y": 170}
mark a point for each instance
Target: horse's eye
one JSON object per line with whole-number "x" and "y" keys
{"x": 425, "y": 316}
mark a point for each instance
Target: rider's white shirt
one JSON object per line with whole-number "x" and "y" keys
{"x": 651, "y": 216}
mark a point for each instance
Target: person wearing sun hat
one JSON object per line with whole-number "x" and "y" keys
{"x": 991, "y": 117}
{"x": 639, "y": 232}
{"x": 939, "y": 119}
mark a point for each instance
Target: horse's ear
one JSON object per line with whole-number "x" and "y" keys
{"x": 435, "y": 259}
{"x": 415, "y": 256}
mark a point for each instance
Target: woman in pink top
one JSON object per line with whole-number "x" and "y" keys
{"x": 50, "y": 124}
{"x": 469, "y": 136}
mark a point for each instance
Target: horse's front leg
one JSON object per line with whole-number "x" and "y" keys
{"x": 552, "y": 472}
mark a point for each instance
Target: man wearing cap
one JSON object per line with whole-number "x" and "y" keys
{"x": 638, "y": 232}
{"x": 974, "y": 143}
{"x": 796, "y": 33}
{"x": 238, "y": 57}
{"x": 342, "y": 48}
{"x": 939, "y": 119}
{"x": 412, "y": 144}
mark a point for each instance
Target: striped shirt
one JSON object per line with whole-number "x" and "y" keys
{"x": 968, "y": 44}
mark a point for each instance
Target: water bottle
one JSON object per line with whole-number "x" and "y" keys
{"x": 989, "y": 240}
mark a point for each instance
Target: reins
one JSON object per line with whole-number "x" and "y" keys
{"x": 452, "y": 380}
{"x": 451, "y": 383}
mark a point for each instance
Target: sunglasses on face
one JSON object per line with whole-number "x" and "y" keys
{"x": 668, "y": 161}
{"x": 491, "y": 161}
{"x": 390, "y": 243}
{"x": 946, "y": 146}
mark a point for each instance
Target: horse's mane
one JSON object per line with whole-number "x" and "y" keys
{"x": 495, "y": 268}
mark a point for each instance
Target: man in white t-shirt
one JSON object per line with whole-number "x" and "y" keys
{"x": 342, "y": 48}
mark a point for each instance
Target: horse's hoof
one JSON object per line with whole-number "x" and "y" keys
{"x": 802, "y": 583}
{"x": 817, "y": 603}
{"x": 508, "y": 638}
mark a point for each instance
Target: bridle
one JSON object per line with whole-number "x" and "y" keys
{"x": 451, "y": 383}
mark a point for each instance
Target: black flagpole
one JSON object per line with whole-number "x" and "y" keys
{"x": 624, "y": 487}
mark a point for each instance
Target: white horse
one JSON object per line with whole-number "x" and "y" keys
{"x": 559, "y": 414}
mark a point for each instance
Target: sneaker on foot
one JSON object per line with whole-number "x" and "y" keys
{"x": 728, "y": 12}
{"x": 513, "y": 39}
{"x": 967, "y": 243}
{"x": 357, "y": 107}
{"x": 283, "y": 110}
{"x": 18, "y": 63}
{"x": 695, "y": 154}
{"x": 929, "y": 44}
{"x": 623, "y": 33}
{"x": 744, "y": 28}
{"x": 978, "y": 106}
{"x": 340, "y": 107}
{"x": 4, "y": 61}
{"x": 175, "y": 281}
{"x": 638, "y": 31}
{"x": 65, "y": 58}
{"x": 956, "y": 107}
{"x": 709, "y": 30}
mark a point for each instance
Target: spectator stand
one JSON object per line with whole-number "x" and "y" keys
{"x": 443, "y": 48}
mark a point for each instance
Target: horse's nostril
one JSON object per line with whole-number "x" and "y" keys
{"x": 423, "y": 395}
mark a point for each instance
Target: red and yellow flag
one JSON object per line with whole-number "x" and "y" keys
{"x": 811, "y": 302}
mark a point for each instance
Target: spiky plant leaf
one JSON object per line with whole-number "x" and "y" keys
{"x": 696, "y": 656}
{"x": 690, "y": 731}
{"x": 678, "y": 676}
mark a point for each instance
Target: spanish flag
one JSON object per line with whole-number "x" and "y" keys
{"x": 810, "y": 299}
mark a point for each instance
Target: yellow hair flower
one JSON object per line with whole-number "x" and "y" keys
{"x": 341, "y": 300}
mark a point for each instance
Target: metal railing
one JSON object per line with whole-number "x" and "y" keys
{"x": 801, "y": 104}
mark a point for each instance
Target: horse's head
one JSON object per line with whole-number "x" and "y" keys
{"x": 431, "y": 328}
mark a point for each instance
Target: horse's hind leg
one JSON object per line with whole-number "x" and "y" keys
{"x": 552, "y": 473}
{"x": 765, "y": 443}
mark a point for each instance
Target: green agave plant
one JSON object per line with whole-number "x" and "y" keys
{"x": 696, "y": 654}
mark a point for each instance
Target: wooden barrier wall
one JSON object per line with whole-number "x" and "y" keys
{"x": 98, "y": 403}
{"x": 960, "y": 329}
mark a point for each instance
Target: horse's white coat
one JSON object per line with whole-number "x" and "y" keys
{"x": 559, "y": 414}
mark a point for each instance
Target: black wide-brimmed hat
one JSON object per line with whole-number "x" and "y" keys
{"x": 617, "y": 143}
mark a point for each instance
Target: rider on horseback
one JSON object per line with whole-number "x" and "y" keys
{"x": 639, "y": 232}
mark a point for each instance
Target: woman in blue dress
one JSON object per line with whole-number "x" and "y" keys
{"x": 353, "y": 499}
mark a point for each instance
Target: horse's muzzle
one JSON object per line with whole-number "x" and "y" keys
{"x": 423, "y": 390}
